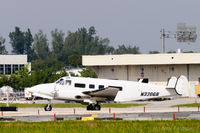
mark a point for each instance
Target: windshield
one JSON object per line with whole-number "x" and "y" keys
{"x": 63, "y": 82}
{"x": 60, "y": 81}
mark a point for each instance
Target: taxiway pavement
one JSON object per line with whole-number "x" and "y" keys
{"x": 154, "y": 110}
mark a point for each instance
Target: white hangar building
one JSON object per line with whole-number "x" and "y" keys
{"x": 156, "y": 68}
{"x": 11, "y": 63}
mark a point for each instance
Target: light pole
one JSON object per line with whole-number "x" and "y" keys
{"x": 163, "y": 40}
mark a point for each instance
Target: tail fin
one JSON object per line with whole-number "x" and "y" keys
{"x": 182, "y": 86}
{"x": 178, "y": 86}
{"x": 172, "y": 82}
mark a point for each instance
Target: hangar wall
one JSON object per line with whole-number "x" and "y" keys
{"x": 157, "y": 74}
{"x": 11, "y": 63}
{"x": 157, "y": 68}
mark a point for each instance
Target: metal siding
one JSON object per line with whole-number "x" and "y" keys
{"x": 141, "y": 59}
{"x": 157, "y": 67}
{"x": 13, "y": 59}
{"x": 158, "y": 74}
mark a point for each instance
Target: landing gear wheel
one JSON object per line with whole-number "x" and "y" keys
{"x": 94, "y": 107}
{"x": 97, "y": 107}
{"x": 48, "y": 107}
{"x": 90, "y": 107}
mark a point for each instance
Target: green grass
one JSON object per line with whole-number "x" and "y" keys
{"x": 181, "y": 126}
{"x": 72, "y": 105}
{"x": 188, "y": 105}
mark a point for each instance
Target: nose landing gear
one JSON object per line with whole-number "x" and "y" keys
{"x": 94, "y": 107}
{"x": 48, "y": 107}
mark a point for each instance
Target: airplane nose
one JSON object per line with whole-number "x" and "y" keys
{"x": 31, "y": 89}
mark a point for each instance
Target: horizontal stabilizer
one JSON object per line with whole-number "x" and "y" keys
{"x": 178, "y": 86}
{"x": 172, "y": 91}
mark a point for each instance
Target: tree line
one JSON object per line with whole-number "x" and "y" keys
{"x": 62, "y": 50}
{"x": 47, "y": 58}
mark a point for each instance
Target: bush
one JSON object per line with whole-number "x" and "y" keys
{"x": 88, "y": 72}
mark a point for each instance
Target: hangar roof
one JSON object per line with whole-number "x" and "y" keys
{"x": 13, "y": 59}
{"x": 141, "y": 59}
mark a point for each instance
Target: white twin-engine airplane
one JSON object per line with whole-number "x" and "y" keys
{"x": 93, "y": 91}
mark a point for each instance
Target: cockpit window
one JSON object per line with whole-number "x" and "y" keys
{"x": 60, "y": 82}
{"x": 63, "y": 82}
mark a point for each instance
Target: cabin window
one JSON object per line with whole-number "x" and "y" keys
{"x": 101, "y": 87}
{"x": 79, "y": 85}
{"x": 118, "y": 87}
{"x": 68, "y": 82}
{"x": 91, "y": 86}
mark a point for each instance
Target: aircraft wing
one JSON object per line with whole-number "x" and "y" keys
{"x": 108, "y": 92}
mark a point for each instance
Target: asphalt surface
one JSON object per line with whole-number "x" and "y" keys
{"x": 154, "y": 110}
{"x": 107, "y": 116}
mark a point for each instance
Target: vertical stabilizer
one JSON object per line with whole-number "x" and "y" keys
{"x": 182, "y": 86}
{"x": 172, "y": 82}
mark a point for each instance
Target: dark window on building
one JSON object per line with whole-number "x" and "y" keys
{"x": 15, "y": 68}
{"x": 1, "y": 69}
{"x": 101, "y": 87}
{"x": 199, "y": 80}
{"x": 118, "y": 87}
{"x": 79, "y": 85}
{"x": 91, "y": 86}
{"x": 7, "y": 69}
{"x": 21, "y": 65}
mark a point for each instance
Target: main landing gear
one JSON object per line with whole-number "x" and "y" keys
{"x": 94, "y": 107}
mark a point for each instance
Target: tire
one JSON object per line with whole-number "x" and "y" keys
{"x": 48, "y": 107}
{"x": 90, "y": 107}
{"x": 97, "y": 107}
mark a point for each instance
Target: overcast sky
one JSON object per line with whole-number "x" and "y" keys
{"x": 130, "y": 22}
